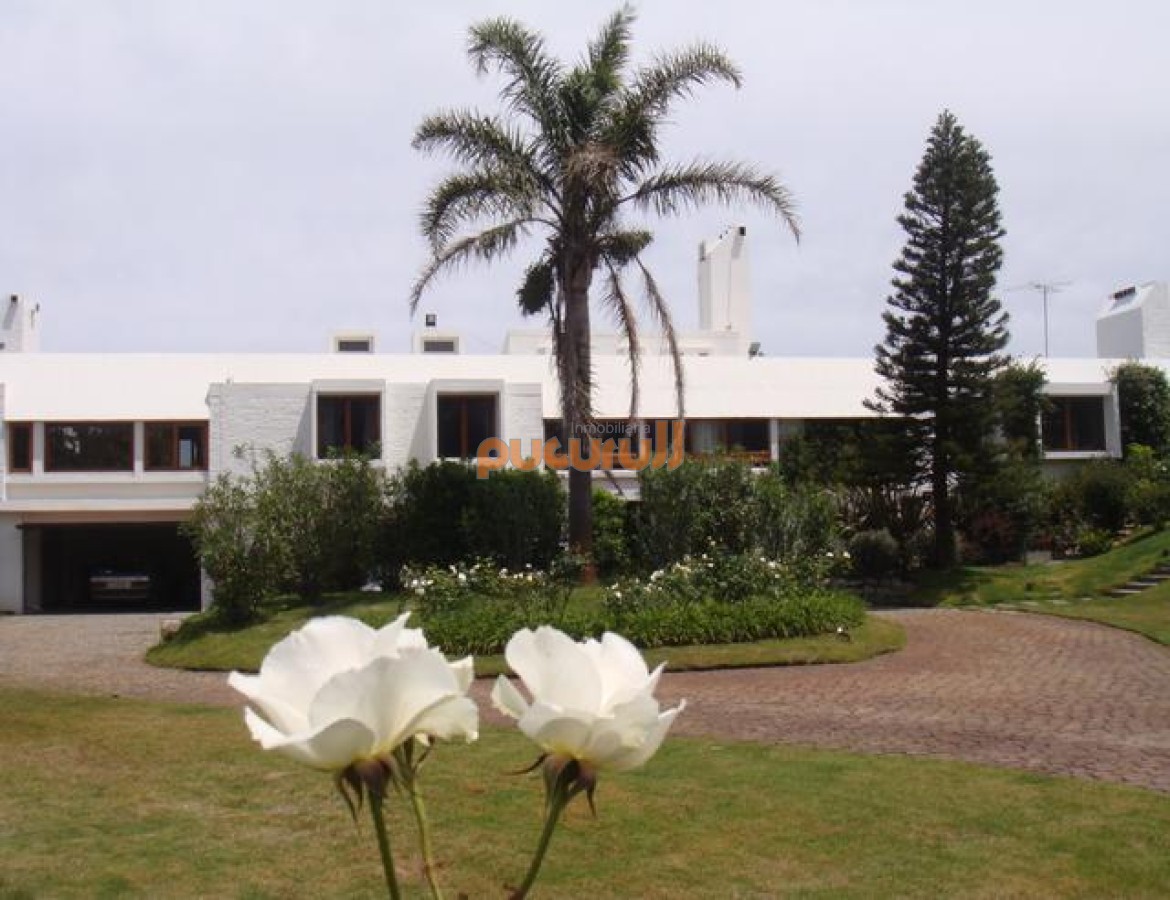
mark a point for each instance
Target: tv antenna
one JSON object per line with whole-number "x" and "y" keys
{"x": 1044, "y": 288}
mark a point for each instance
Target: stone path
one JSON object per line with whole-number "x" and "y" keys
{"x": 1010, "y": 689}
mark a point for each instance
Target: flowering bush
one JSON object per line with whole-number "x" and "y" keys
{"x": 434, "y": 589}
{"x": 718, "y": 576}
{"x": 715, "y": 598}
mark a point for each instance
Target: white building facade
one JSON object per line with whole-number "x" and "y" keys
{"x": 103, "y": 456}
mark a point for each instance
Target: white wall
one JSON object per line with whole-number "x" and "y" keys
{"x": 11, "y": 565}
{"x": 257, "y": 417}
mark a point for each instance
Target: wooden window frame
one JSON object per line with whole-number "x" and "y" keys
{"x": 466, "y": 452}
{"x": 174, "y": 465}
{"x": 27, "y": 429}
{"x": 347, "y": 446}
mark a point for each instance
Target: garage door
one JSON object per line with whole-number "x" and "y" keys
{"x": 112, "y": 568}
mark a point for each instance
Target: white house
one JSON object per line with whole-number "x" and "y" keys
{"x": 102, "y": 456}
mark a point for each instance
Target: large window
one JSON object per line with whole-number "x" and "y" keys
{"x": 348, "y": 423}
{"x": 1075, "y": 424}
{"x": 89, "y": 447}
{"x": 749, "y": 439}
{"x": 465, "y": 422}
{"x": 176, "y": 445}
{"x": 19, "y": 447}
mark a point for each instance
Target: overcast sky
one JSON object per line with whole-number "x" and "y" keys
{"x": 237, "y": 174}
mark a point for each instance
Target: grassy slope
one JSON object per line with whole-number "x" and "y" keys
{"x": 1073, "y": 589}
{"x": 121, "y": 798}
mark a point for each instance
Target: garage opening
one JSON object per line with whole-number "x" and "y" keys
{"x": 117, "y": 568}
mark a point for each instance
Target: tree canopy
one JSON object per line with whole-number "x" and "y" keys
{"x": 944, "y": 328}
{"x": 570, "y": 159}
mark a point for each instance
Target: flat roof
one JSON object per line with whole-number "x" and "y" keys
{"x": 173, "y": 386}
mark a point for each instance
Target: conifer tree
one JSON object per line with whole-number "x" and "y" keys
{"x": 944, "y": 329}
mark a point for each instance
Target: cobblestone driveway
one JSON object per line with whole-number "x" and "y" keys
{"x": 1030, "y": 692}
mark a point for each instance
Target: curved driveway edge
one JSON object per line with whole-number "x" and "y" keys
{"x": 1010, "y": 689}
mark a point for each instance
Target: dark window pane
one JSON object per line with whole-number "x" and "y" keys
{"x": 748, "y": 434}
{"x": 1073, "y": 424}
{"x": 159, "y": 446}
{"x": 481, "y": 423}
{"x": 20, "y": 447}
{"x": 464, "y": 422}
{"x": 348, "y": 423}
{"x": 89, "y": 447}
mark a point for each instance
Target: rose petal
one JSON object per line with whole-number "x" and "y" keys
{"x": 387, "y": 695}
{"x": 296, "y": 667}
{"x": 557, "y": 731}
{"x": 331, "y": 748}
{"x": 635, "y": 757}
{"x": 507, "y": 699}
{"x": 555, "y": 669}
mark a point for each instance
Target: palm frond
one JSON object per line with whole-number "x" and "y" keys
{"x": 615, "y": 299}
{"x": 464, "y": 199}
{"x": 621, "y": 247}
{"x": 520, "y": 55}
{"x": 686, "y": 187}
{"x": 609, "y": 52}
{"x": 489, "y": 244}
{"x": 475, "y": 139}
{"x": 633, "y": 123}
{"x": 661, "y": 312}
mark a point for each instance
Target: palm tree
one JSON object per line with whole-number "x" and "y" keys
{"x": 573, "y": 152}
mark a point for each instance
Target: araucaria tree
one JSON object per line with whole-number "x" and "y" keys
{"x": 572, "y": 155}
{"x": 944, "y": 329}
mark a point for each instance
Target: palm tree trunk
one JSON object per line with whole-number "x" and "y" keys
{"x": 577, "y": 406}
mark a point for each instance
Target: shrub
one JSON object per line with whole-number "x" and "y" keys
{"x": 1002, "y": 510}
{"x": 721, "y": 507}
{"x": 1093, "y": 542}
{"x": 900, "y": 508}
{"x": 1095, "y": 495}
{"x": 1143, "y": 396}
{"x": 322, "y": 520}
{"x": 1149, "y": 490}
{"x": 442, "y": 514}
{"x": 874, "y": 553}
{"x": 688, "y": 510}
{"x": 427, "y": 515}
{"x": 232, "y": 549}
{"x": 610, "y": 539}
{"x": 795, "y": 522}
{"x": 515, "y": 518}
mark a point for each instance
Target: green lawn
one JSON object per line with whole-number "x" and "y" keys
{"x": 118, "y": 798}
{"x": 1075, "y": 589}
{"x": 245, "y": 648}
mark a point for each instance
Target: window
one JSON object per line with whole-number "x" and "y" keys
{"x": 746, "y": 438}
{"x": 89, "y": 447}
{"x": 445, "y": 345}
{"x": 348, "y": 423}
{"x": 465, "y": 422}
{"x": 1075, "y": 424}
{"x": 20, "y": 447}
{"x": 176, "y": 445}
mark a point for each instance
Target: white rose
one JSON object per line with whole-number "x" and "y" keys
{"x": 336, "y": 692}
{"x": 591, "y": 701}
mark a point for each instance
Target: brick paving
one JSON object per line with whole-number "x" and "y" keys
{"x": 1009, "y": 689}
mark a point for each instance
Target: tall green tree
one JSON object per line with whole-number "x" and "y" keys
{"x": 944, "y": 329}
{"x": 1143, "y": 396}
{"x": 571, "y": 158}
